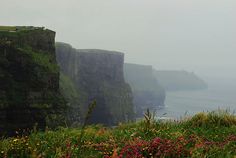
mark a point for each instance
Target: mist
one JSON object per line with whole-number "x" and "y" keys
{"x": 192, "y": 35}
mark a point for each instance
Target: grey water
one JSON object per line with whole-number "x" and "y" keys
{"x": 179, "y": 104}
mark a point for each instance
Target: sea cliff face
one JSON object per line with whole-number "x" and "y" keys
{"x": 29, "y": 79}
{"x": 98, "y": 75}
{"x": 147, "y": 93}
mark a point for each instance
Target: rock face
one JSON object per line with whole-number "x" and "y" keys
{"x": 29, "y": 79}
{"x": 98, "y": 75}
{"x": 179, "y": 80}
{"x": 146, "y": 90}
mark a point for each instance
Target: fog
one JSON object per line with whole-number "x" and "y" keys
{"x": 194, "y": 35}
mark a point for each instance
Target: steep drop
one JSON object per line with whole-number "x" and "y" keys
{"x": 146, "y": 90}
{"x": 98, "y": 75}
{"x": 29, "y": 79}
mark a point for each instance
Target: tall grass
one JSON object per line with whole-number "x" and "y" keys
{"x": 88, "y": 115}
{"x": 214, "y": 118}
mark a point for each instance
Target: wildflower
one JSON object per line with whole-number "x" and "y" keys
{"x": 114, "y": 155}
{"x": 133, "y": 134}
{"x": 199, "y": 145}
{"x": 68, "y": 145}
{"x": 15, "y": 140}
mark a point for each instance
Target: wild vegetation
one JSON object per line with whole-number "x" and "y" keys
{"x": 203, "y": 135}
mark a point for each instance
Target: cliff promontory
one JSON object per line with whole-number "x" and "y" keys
{"x": 147, "y": 93}
{"x": 29, "y": 79}
{"x": 97, "y": 75}
{"x": 179, "y": 80}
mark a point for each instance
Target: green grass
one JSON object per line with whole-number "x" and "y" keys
{"x": 7, "y": 28}
{"x": 68, "y": 89}
{"x": 44, "y": 59}
{"x": 203, "y": 135}
{"x": 18, "y": 28}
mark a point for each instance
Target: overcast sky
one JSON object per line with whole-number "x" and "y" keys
{"x": 194, "y": 35}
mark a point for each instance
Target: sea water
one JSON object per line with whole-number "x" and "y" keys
{"x": 179, "y": 104}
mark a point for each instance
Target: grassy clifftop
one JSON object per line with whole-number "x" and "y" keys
{"x": 18, "y": 28}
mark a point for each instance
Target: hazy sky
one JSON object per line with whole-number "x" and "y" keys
{"x": 195, "y": 35}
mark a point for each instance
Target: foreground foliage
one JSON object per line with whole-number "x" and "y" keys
{"x": 203, "y": 135}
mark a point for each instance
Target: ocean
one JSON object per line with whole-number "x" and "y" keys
{"x": 178, "y": 104}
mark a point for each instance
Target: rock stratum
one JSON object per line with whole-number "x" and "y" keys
{"x": 95, "y": 75}
{"x": 147, "y": 93}
{"x": 29, "y": 79}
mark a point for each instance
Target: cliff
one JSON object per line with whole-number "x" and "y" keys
{"x": 97, "y": 75}
{"x": 146, "y": 90}
{"x": 29, "y": 79}
{"x": 179, "y": 80}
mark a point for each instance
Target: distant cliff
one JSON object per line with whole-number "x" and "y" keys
{"x": 29, "y": 79}
{"x": 146, "y": 90}
{"x": 179, "y": 80}
{"x": 97, "y": 75}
